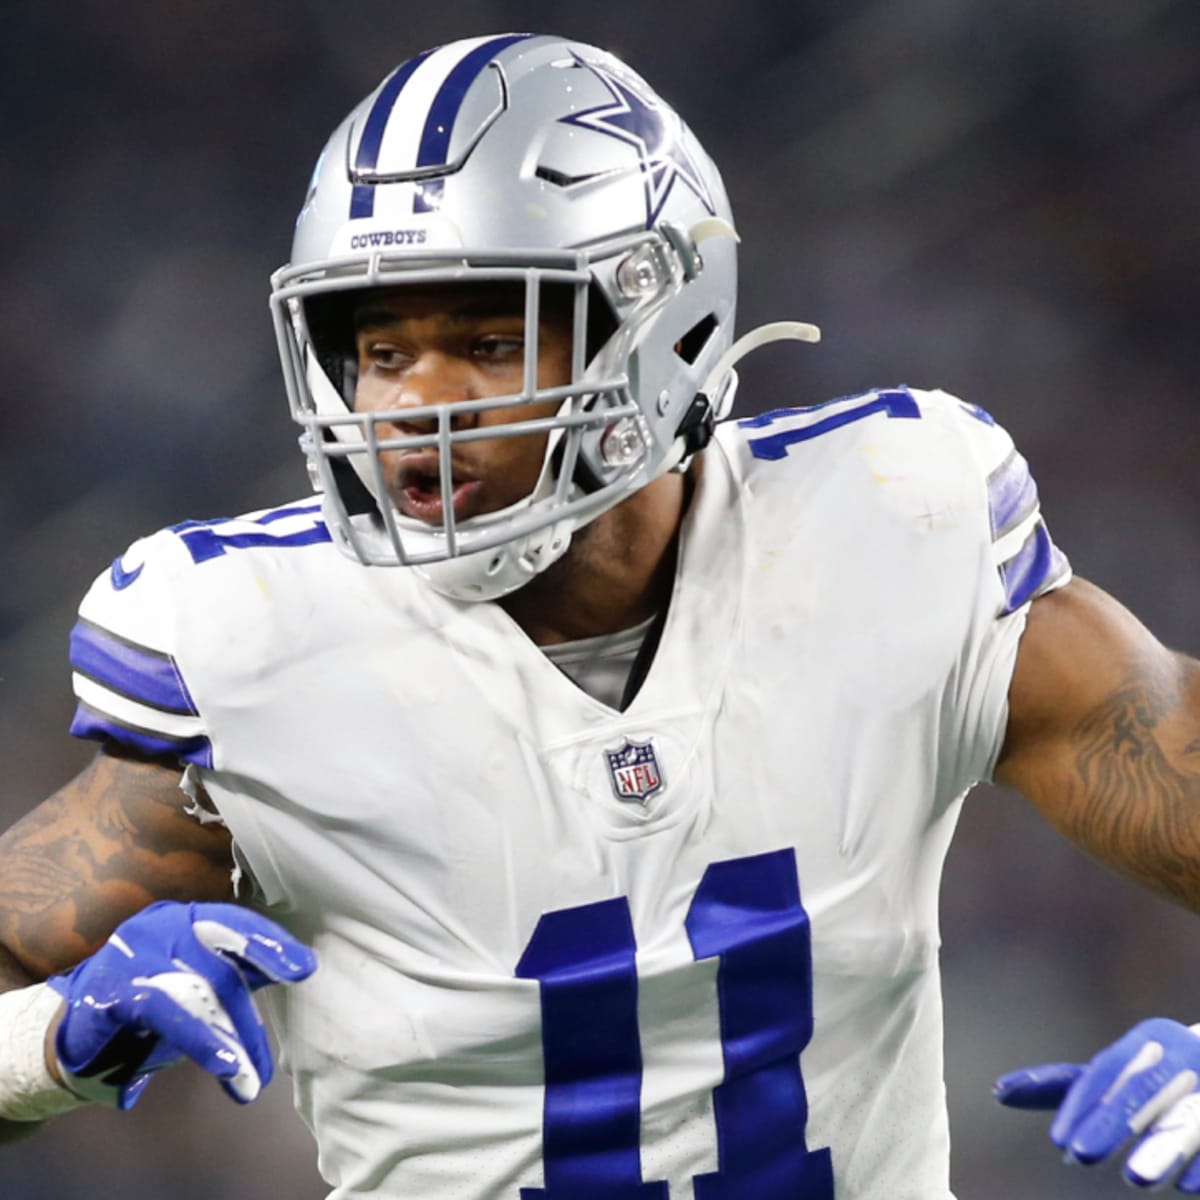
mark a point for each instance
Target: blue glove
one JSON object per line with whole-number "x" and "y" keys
{"x": 175, "y": 980}
{"x": 1143, "y": 1087}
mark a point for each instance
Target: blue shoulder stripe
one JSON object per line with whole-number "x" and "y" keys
{"x": 1032, "y": 569}
{"x": 148, "y": 676}
{"x": 90, "y": 723}
{"x": 1012, "y": 494}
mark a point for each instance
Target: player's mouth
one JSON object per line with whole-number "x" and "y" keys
{"x": 417, "y": 491}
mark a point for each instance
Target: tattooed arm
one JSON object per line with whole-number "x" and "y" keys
{"x": 1104, "y": 737}
{"x": 114, "y": 840}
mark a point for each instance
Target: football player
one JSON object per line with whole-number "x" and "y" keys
{"x": 573, "y": 771}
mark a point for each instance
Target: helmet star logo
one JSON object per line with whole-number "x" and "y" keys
{"x": 653, "y": 130}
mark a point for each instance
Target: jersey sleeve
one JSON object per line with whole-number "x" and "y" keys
{"x": 127, "y": 681}
{"x": 1028, "y": 561}
{"x": 1021, "y": 563}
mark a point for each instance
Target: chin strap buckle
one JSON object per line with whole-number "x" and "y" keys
{"x": 697, "y": 425}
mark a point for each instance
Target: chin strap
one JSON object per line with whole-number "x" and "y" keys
{"x": 714, "y": 401}
{"x": 715, "y": 386}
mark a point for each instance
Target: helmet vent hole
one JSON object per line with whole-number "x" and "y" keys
{"x": 692, "y": 344}
{"x": 558, "y": 178}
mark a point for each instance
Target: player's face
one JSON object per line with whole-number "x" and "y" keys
{"x": 419, "y": 346}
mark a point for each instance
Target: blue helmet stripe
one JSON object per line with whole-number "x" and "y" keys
{"x": 439, "y": 124}
{"x": 362, "y": 198}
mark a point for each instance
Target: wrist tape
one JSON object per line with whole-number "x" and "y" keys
{"x": 28, "y": 1092}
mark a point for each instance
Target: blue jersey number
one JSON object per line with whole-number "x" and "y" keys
{"x": 746, "y": 913}
{"x": 211, "y": 539}
{"x": 774, "y": 446}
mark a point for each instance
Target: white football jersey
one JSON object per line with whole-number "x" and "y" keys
{"x": 570, "y": 953}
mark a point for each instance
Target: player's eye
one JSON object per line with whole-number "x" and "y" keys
{"x": 500, "y": 348}
{"x": 385, "y": 356}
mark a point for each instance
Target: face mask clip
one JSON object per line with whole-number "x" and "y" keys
{"x": 698, "y": 424}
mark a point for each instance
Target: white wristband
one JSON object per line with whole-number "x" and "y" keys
{"x": 28, "y": 1092}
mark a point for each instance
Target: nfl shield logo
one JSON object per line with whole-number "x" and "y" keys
{"x": 634, "y": 771}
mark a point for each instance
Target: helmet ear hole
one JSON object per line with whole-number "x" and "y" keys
{"x": 601, "y": 320}
{"x": 691, "y": 345}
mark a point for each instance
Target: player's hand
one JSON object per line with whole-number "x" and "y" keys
{"x": 1141, "y": 1093}
{"x": 175, "y": 980}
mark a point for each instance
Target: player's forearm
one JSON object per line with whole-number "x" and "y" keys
{"x": 1136, "y": 786}
{"x": 12, "y": 974}
{"x": 110, "y": 842}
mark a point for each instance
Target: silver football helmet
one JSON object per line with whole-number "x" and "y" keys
{"x": 547, "y": 164}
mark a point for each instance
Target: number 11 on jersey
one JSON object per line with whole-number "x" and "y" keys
{"x": 746, "y": 913}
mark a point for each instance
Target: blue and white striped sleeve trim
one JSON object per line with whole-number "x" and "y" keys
{"x": 134, "y": 695}
{"x": 1028, "y": 560}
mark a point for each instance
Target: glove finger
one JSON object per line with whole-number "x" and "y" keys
{"x": 1112, "y": 1070}
{"x": 1173, "y": 1140}
{"x": 234, "y": 1021}
{"x": 1043, "y": 1086}
{"x": 182, "y": 1008}
{"x": 1130, "y": 1110}
{"x": 131, "y": 1093}
{"x": 263, "y": 950}
{"x": 91, "y": 1033}
{"x": 161, "y": 1056}
{"x": 1189, "y": 1180}
{"x": 229, "y": 1042}
{"x": 252, "y": 1035}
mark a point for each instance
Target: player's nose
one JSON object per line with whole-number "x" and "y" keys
{"x": 434, "y": 379}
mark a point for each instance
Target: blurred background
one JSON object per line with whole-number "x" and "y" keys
{"x": 997, "y": 197}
